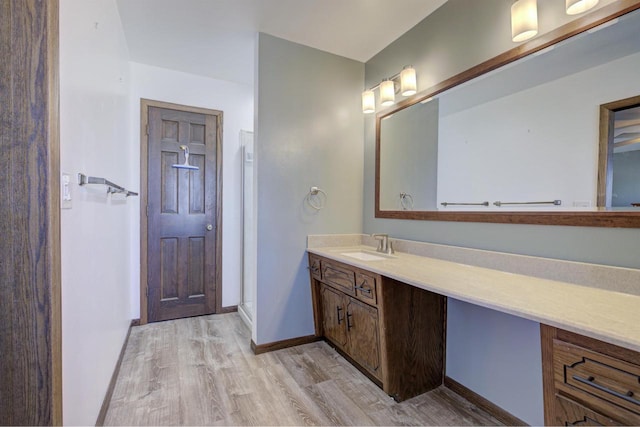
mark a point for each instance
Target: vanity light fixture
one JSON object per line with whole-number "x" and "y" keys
{"x": 387, "y": 92}
{"x": 524, "y": 20}
{"x": 575, "y": 7}
{"x": 368, "y": 102}
{"x": 403, "y": 82}
{"x": 408, "y": 85}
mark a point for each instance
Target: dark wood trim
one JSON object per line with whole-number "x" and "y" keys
{"x": 601, "y": 218}
{"x": 144, "y": 198}
{"x": 482, "y": 403}
{"x": 605, "y": 150}
{"x": 228, "y": 309}
{"x": 547, "y": 335}
{"x": 114, "y": 377}
{"x": 279, "y": 345}
{"x": 53, "y": 216}
{"x": 30, "y": 269}
{"x": 612, "y": 350}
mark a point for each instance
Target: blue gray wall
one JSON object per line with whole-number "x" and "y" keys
{"x": 489, "y": 352}
{"x": 308, "y": 132}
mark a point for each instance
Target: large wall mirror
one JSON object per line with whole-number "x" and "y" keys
{"x": 548, "y": 133}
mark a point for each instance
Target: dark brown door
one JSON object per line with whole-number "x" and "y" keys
{"x": 333, "y": 314}
{"x": 364, "y": 343}
{"x": 181, "y": 224}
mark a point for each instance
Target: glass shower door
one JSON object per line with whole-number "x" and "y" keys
{"x": 247, "y": 292}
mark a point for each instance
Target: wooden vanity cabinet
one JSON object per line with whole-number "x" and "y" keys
{"x": 353, "y": 327}
{"x": 587, "y": 381}
{"x": 391, "y": 331}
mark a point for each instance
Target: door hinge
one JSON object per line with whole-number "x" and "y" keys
{"x": 147, "y": 290}
{"x": 147, "y": 211}
{"x": 147, "y": 130}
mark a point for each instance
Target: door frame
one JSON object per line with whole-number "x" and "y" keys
{"x": 144, "y": 170}
{"x": 605, "y": 150}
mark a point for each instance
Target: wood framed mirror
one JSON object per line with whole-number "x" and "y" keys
{"x": 580, "y": 209}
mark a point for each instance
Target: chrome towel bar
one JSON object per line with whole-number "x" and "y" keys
{"x": 111, "y": 187}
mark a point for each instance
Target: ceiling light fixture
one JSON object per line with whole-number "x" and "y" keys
{"x": 404, "y": 82}
{"x": 575, "y": 7}
{"x": 524, "y": 20}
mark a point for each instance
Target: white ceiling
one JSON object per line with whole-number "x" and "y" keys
{"x": 215, "y": 38}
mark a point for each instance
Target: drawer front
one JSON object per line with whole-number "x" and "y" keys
{"x": 608, "y": 384}
{"x": 366, "y": 288}
{"x": 314, "y": 267}
{"x": 570, "y": 413}
{"x": 339, "y": 277}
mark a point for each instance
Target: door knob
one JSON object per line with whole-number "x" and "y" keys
{"x": 209, "y": 227}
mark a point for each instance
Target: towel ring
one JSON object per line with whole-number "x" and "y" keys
{"x": 314, "y": 200}
{"x": 406, "y": 201}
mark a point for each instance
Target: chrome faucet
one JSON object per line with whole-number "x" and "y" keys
{"x": 385, "y": 246}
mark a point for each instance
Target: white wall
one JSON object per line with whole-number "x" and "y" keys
{"x": 236, "y": 103}
{"x": 308, "y": 133}
{"x": 96, "y": 259}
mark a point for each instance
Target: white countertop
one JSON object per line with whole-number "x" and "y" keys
{"x": 613, "y": 317}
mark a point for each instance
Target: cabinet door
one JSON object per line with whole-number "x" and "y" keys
{"x": 334, "y": 316}
{"x": 364, "y": 341}
{"x": 570, "y": 413}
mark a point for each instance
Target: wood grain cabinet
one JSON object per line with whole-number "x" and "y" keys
{"x": 587, "y": 381}
{"x": 353, "y": 327}
{"x": 391, "y": 331}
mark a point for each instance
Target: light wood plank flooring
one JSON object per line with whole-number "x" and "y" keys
{"x": 201, "y": 371}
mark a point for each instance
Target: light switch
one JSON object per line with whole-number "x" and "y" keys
{"x": 65, "y": 192}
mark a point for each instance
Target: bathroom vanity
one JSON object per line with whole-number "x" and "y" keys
{"x": 393, "y": 332}
{"x": 387, "y": 315}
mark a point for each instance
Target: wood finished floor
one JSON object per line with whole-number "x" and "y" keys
{"x": 201, "y": 371}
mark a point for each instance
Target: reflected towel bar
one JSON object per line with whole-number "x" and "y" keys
{"x": 445, "y": 204}
{"x": 552, "y": 202}
{"x": 111, "y": 187}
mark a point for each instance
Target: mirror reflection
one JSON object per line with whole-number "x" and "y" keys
{"x": 524, "y": 137}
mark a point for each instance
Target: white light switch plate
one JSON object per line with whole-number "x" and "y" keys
{"x": 65, "y": 192}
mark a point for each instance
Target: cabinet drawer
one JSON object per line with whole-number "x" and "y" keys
{"x": 314, "y": 267}
{"x": 570, "y": 413}
{"x": 338, "y": 276}
{"x": 608, "y": 384}
{"x": 366, "y": 288}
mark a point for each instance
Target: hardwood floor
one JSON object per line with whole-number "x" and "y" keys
{"x": 201, "y": 371}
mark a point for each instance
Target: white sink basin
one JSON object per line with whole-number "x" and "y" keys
{"x": 367, "y": 256}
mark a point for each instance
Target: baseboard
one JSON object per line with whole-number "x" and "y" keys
{"x": 279, "y": 345}
{"x": 242, "y": 311}
{"x": 112, "y": 384}
{"x": 229, "y": 309}
{"x": 482, "y": 403}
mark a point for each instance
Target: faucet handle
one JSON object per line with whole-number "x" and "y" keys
{"x": 384, "y": 239}
{"x": 390, "y": 248}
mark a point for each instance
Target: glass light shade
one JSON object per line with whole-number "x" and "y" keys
{"x": 408, "y": 81}
{"x": 387, "y": 92}
{"x": 524, "y": 20}
{"x": 575, "y": 7}
{"x": 368, "y": 102}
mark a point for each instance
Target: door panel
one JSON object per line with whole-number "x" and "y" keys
{"x": 181, "y": 256}
{"x": 169, "y": 269}
{"x": 364, "y": 342}
{"x": 333, "y": 316}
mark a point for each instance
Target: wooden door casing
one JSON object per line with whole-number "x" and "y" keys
{"x": 181, "y": 259}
